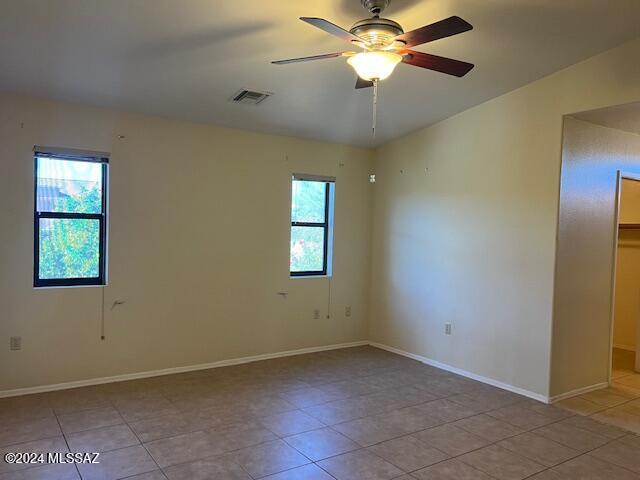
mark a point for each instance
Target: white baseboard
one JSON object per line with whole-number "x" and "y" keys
{"x": 620, "y": 346}
{"x": 578, "y": 391}
{"x": 464, "y": 373}
{"x": 255, "y": 358}
{"x": 168, "y": 371}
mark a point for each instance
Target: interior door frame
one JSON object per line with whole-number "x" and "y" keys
{"x": 620, "y": 176}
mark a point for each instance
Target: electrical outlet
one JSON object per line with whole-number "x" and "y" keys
{"x": 15, "y": 343}
{"x": 347, "y": 311}
{"x": 316, "y": 314}
{"x": 447, "y": 329}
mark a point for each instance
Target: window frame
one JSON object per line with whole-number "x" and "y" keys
{"x": 324, "y": 225}
{"x": 100, "y": 280}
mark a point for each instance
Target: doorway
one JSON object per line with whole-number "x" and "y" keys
{"x": 625, "y": 331}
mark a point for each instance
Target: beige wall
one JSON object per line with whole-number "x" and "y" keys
{"x": 471, "y": 240}
{"x": 627, "y": 286}
{"x": 198, "y": 247}
{"x": 464, "y": 231}
{"x": 592, "y": 157}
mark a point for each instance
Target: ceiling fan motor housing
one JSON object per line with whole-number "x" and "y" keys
{"x": 375, "y": 6}
{"x": 377, "y": 31}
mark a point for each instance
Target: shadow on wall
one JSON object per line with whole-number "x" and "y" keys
{"x": 598, "y": 148}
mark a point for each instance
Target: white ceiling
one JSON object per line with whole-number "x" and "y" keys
{"x": 621, "y": 117}
{"x": 186, "y": 58}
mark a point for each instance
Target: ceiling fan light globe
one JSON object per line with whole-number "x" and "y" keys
{"x": 376, "y": 65}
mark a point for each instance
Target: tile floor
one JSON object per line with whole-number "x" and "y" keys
{"x": 618, "y": 405}
{"x": 351, "y": 414}
{"x": 623, "y": 373}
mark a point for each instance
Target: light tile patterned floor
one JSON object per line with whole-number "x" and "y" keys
{"x": 351, "y": 414}
{"x": 624, "y": 374}
{"x": 618, "y": 405}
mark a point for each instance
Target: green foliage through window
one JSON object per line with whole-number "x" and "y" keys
{"x": 309, "y": 227}
{"x": 308, "y": 201}
{"x": 70, "y": 221}
{"x": 69, "y": 248}
{"x": 307, "y": 249}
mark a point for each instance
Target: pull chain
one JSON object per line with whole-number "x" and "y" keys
{"x": 375, "y": 107}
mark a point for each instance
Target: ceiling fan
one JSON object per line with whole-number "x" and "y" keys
{"x": 385, "y": 44}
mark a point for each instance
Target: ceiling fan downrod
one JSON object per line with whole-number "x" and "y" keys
{"x": 375, "y": 108}
{"x": 375, "y": 7}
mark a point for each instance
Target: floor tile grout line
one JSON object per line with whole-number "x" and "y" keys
{"x": 321, "y": 468}
{"x": 145, "y": 448}
{"x": 216, "y": 455}
{"x": 580, "y": 454}
{"x": 544, "y": 469}
{"x": 33, "y": 465}
{"x": 588, "y": 452}
{"x": 66, "y": 441}
{"x": 33, "y": 440}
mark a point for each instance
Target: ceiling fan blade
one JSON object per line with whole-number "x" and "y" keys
{"x": 332, "y": 29}
{"x": 308, "y": 59}
{"x": 439, "y": 64}
{"x": 444, "y": 28}
{"x": 360, "y": 83}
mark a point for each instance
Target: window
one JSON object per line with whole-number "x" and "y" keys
{"x": 69, "y": 218}
{"x": 311, "y": 225}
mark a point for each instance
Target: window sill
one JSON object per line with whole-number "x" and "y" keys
{"x": 47, "y": 287}
{"x": 295, "y": 277}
